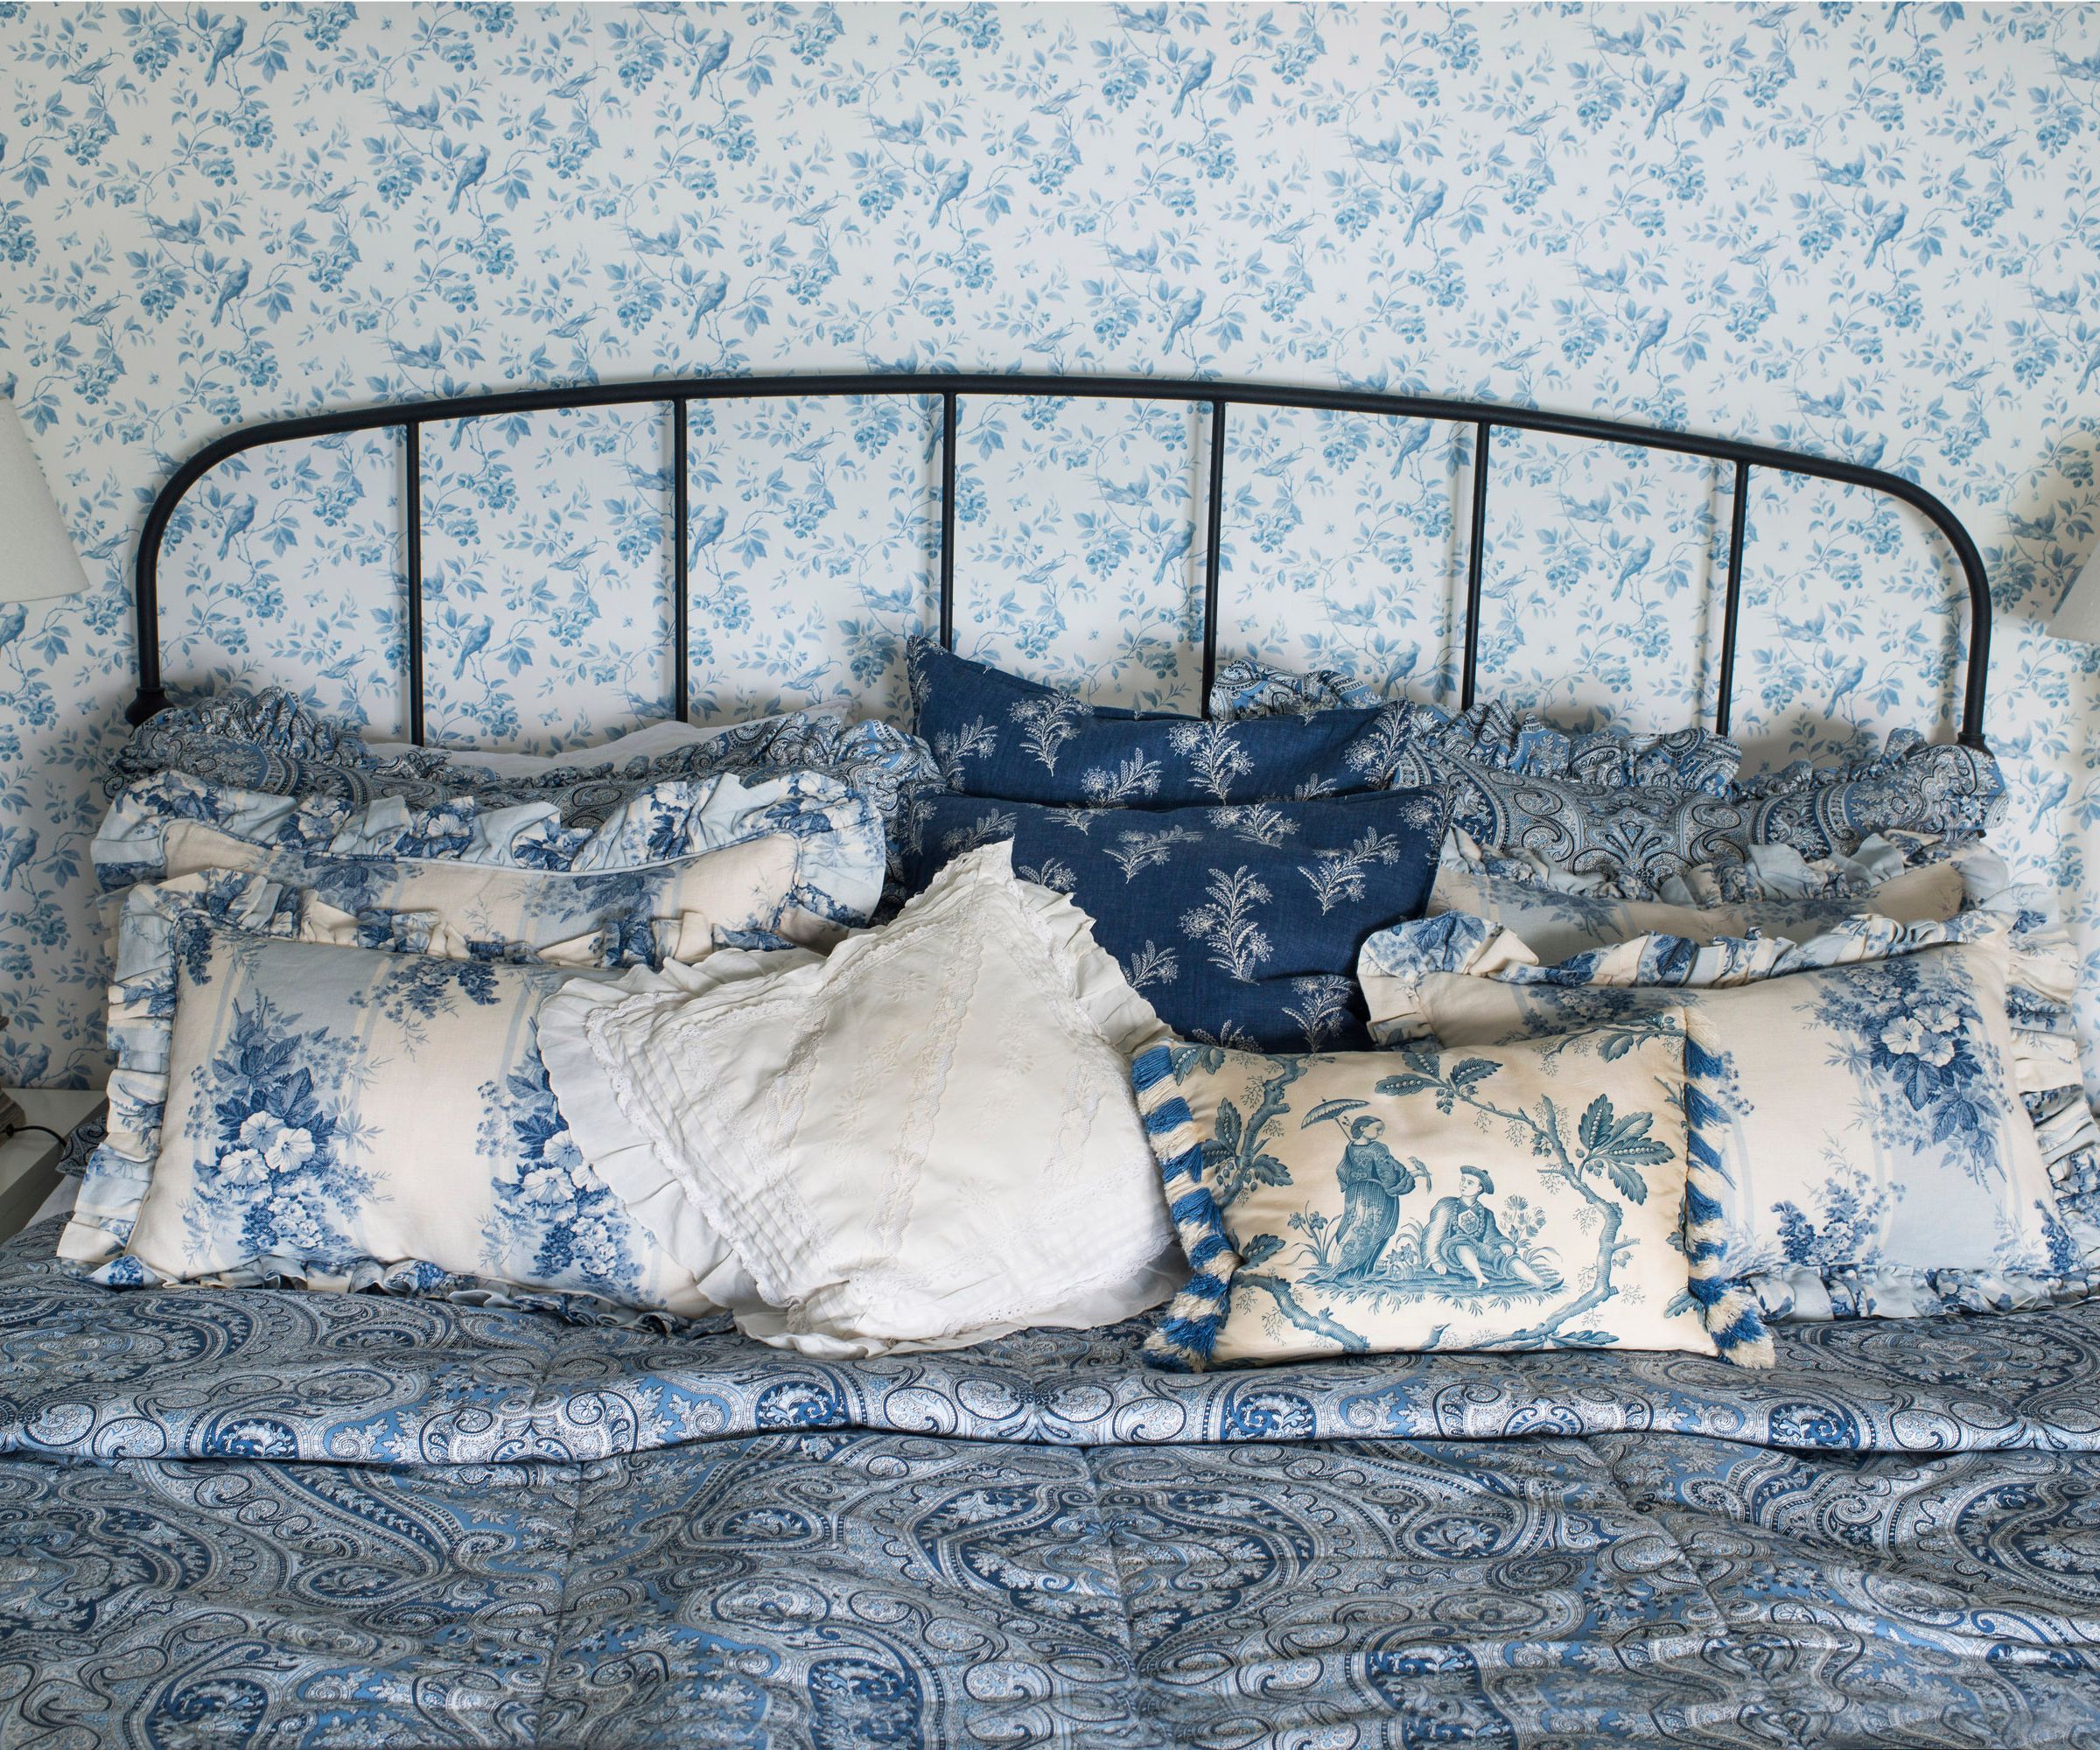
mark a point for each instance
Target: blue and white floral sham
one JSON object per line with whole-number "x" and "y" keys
{"x": 1535, "y": 1195}
{"x": 1858, "y": 1093}
{"x": 1642, "y": 811}
{"x": 1239, "y": 923}
{"x": 289, "y": 1109}
{"x": 995, "y": 734}
{"x": 271, "y": 742}
{"x": 673, "y": 870}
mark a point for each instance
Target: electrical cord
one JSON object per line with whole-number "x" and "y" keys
{"x": 20, "y": 1130}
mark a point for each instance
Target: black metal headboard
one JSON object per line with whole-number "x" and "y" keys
{"x": 951, "y": 388}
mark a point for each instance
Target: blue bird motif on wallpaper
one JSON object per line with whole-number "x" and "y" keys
{"x": 707, "y": 294}
{"x": 707, "y": 526}
{"x": 242, "y": 519}
{"x": 1649, "y": 337}
{"x": 225, "y": 46}
{"x": 472, "y": 168}
{"x": 476, "y": 641}
{"x": 948, "y": 190}
{"x": 1195, "y": 74}
{"x": 1601, "y": 279}
{"x": 422, "y": 117}
{"x": 14, "y": 616}
{"x": 1669, "y": 94}
{"x": 1181, "y": 315}
{"x": 1887, "y": 230}
{"x": 1633, "y": 563}
{"x": 1852, "y": 175}
{"x": 1614, "y": 42}
{"x": 1145, "y": 20}
{"x": 657, "y": 243}
{"x": 2085, "y": 68}
{"x": 1177, "y": 547}
{"x": 1823, "y": 406}
{"x": 426, "y": 357}
{"x": 21, "y": 843}
{"x": 898, "y": 133}
{"x": 177, "y": 230}
{"x": 1412, "y": 437}
{"x": 1141, "y": 259}
{"x": 713, "y": 57}
{"x": 1428, "y": 204}
{"x": 232, "y": 284}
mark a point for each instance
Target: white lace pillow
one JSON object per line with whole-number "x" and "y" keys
{"x": 926, "y": 1140}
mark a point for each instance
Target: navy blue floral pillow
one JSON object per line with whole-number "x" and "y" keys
{"x": 995, "y": 734}
{"x": 1240, "y": 923}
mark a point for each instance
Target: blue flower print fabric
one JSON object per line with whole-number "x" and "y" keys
{"x": 1239, "y": 923}
{"x": 288, "y": 1109}
{"x": 1858, "y": 1093}
{"x": 994, "y": 734}
{"x": 1534, "y": 1195}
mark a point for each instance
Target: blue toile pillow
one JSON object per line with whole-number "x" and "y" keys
{"x": 1239, "y": 923}
{"x": 994, "y": 734}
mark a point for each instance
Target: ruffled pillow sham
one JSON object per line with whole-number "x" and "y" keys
{"x": 288, "y": 1109}
{"x": 1645, "y": 808}
{"x": 924, "y": 1139}
{"x": 1533, "y": 1195}
{"x": 676, "y": 870}
{"x": 1240, "y": 923}
{"x": 270, "y": 742}
{"x": 1860, "y": 1093}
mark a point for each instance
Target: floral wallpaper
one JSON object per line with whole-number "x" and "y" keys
{"x": 1873, "y": 232}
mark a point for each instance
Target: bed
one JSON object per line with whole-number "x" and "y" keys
{"x": 259, "y": 1515}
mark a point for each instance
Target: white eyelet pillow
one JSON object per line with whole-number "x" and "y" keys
{"x": 925, "y": 1140}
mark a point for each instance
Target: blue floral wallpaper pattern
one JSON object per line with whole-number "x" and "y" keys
{"x": 1864, "y": 230}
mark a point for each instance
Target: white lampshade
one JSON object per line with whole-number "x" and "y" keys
{"x": 38, "y": 559}
{"x": 2078, "y": 617}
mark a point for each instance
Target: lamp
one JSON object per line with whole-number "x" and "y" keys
{"x": 38, "y": 559}
{"x": 2077, "y": 616}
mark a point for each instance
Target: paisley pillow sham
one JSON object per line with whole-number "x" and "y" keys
{"x": 1856, "y": 1092}
{"x": 674, "y": 871}
{"x": 1526, "y": 1196}
{"x": 269, "y": 741}
{"x": 289, "y": 1110}
{"x": 1240, "y": 924}
{"x": 923, "y": 1140}
{"x": 1661, "y": 805}
{"x": 1558, "y": 915}
{"x": 994, "y": 734}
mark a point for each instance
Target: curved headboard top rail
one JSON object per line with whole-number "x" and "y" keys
{"x": 949, "y": 387}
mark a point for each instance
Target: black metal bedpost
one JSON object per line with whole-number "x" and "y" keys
{"x": 681, "y": 537}
{"x": 1213, "y": 551}
{"x": 948, "y": 519}
{"x": 1732, "y": 600}
{"x": 1474, "y": 555}
{"x": 412, "y": 448}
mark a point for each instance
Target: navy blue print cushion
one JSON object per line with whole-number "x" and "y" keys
{"x": 995, "y": 734}
{"x": 1239, "y": 923}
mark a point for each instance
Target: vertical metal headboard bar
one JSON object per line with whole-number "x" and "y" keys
{"x": 1732, "y": 600}
{"x": 1213, "y": 551}
{"x": 682, "y": 536}
{"x": 1475, "y": 552}
{"x": 412, "y": 443}
{"x": 948, "y": 519}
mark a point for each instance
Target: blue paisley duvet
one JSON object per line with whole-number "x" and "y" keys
{"x": 248, "y": 1517}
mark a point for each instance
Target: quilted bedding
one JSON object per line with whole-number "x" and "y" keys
{"x": 250, "y": 1517}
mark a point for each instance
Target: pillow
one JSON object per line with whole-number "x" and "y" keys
{"x": 270, "y": 742}
{"x": 287, "y": 1109}
{"x": 924, "y": 1140}
{"x": 1239, "y": 923}
{"x": 994, "y": 734}
{"x": 1558, "y": 914}
{"x": 1530, "y": 1196}
{"x": 1857, "y": 1091}
{"x": 1645, "y": 808}
{"x": 673, "y": 870}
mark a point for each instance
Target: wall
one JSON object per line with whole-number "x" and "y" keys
{"x": 1869, "y": 231}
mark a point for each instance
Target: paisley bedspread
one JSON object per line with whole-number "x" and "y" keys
{"x": 246, "y": 1517}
